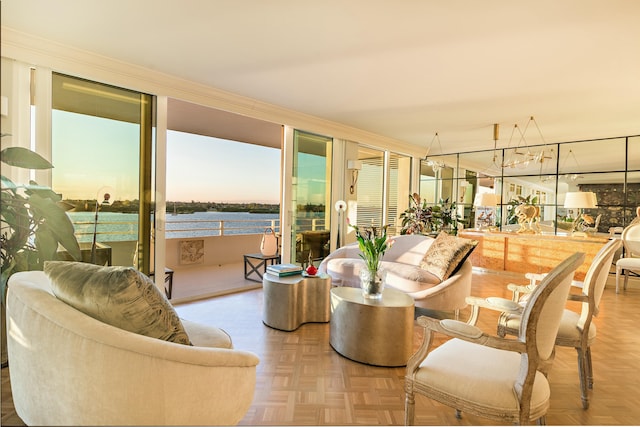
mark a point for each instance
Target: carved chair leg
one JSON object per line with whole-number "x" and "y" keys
{"x": 589, "y": 367}
{"x": 582, "y": 370}
{"x": 409, "y": 408}
{"x": 542, "y": 421}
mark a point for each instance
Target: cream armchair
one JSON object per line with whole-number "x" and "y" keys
{"x": 577, "y": 330}
{"x": 497, "y": 378}
{"x": 631, "y": 261}
{"x": 68, "y": 368}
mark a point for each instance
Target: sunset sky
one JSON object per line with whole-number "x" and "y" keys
{"x": 90, "y": 153}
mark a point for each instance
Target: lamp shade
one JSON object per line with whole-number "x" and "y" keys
{"x": 580, "y": 200}
{"x": 486, "y": 199}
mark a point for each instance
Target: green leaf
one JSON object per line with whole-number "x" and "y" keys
{"x": 7, "y": 184}
{"x": 46, "y": 243}
{"x": 58, "y": 222}
{"x": 24, "y": 158}
{"x": 42, "y": 191}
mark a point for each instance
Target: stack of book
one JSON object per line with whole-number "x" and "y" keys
{"x": 284, "y": 269}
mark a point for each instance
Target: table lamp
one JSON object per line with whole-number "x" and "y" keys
{"x": 579, "y": 200}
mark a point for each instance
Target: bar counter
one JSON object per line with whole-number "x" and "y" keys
{"x": 530, "y": 253}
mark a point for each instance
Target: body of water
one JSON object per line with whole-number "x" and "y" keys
{"x": 114, "y": 226}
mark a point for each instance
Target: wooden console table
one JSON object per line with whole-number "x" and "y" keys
{"x": 534, "y": 253}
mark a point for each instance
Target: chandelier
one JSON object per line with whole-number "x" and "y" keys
{"x": 571, "y": 176}
{"x": 436, "y": 165}
{"x": 522, "y": 155}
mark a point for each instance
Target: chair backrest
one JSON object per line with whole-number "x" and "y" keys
{"x": 543, "y": 311}
{"x": 631, "y": 239}
{"x": 596, "y": 279}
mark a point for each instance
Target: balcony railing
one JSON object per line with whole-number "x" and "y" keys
{"x": 128, "y": 229}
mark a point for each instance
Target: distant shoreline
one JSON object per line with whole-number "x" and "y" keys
{"x": 131, "y": 206}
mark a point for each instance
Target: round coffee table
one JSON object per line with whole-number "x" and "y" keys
{"x": 376, "y": 332}
{"x": 290, "y": 301}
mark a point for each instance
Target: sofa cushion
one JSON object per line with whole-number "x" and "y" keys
{"x": 446, "y": 254}
{"x": 119, "y": 296}
{"x": 408, "y": 278}
{"x": 202, "y": 335}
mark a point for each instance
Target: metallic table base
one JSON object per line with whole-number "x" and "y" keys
{"x": 376, "y": 332}
{"x": 293, "y": 300}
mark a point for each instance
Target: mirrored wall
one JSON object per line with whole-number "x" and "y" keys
{"x": 542, "y": 175}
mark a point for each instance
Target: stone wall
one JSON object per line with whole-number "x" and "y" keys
{"x": 616, "y": 207}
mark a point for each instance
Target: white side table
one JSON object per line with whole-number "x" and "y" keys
{"x": 376, "y": 332}
{"x": 290, "y": 301}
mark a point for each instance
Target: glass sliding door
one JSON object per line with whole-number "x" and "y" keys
{"x": 102, "y": 151}
{"x": 311, "y": 198}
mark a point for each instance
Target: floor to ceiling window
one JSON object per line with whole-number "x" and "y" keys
{"x": 370, "y": 187}
{"x": 383, "y": 188}
{"x": 398, "y": 190}
{"x": 311, "y": 198}
{"x": 102, "y": 151}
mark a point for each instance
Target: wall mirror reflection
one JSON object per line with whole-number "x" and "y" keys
{"x": 542, "y": 176}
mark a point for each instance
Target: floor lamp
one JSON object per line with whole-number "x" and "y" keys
{"x": 341, "y": 206}
{"x": 106, "y": 194}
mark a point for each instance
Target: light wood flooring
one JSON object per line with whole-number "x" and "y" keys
{"x": 301, "y": 380}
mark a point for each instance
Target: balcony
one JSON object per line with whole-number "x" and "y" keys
{"x": 205, "y": 254}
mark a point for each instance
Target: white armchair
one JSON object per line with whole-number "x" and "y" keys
{"x": 577, "y": 330}
{"x": 493, "y": 377}
{"x": 631, "y": 261}
{"x": 68, "y": 368}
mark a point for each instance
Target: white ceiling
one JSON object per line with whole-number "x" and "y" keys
{"x": 403, "y": 69}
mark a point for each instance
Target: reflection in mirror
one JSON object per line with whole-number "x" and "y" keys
{"x": 592, "y": 156}
{"x": 546, "y": 172}
{"x": 633, "y": 156}
{"x": 532, "y": 161}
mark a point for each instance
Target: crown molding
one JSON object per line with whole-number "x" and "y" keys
{"x": 37, "y": 51}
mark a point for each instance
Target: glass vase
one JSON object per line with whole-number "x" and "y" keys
{"x": 372, "y": 283}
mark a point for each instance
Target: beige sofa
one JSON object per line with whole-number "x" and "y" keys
{"x": 67, "y": 368}
{"x": 403, "y": 272}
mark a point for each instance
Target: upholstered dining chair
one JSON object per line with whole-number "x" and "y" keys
{"x": 493, "y": 377}
{"x": 577, "y": 330}
{"x": 631, "y": 261}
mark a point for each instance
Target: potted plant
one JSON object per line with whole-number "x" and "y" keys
{"x": 445, "y": 217}
{"x": 417, "y": 219}
{"x": 33, "y": 223}
{"x": 373, "y": 244}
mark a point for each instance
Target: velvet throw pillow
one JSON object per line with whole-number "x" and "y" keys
{"x": 119, "y": 296}
{"x": 446, "y": 254}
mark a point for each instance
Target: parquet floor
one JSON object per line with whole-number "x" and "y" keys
{"x": 301, "y": 380}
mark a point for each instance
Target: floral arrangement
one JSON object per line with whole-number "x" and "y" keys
{"x": 373, "y": 244}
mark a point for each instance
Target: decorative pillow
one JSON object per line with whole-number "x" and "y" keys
{"x": 119, "y": 296}
{"x": 446, "y": 254}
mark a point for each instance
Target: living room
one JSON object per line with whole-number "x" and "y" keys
{"x": 567, "y": 111}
